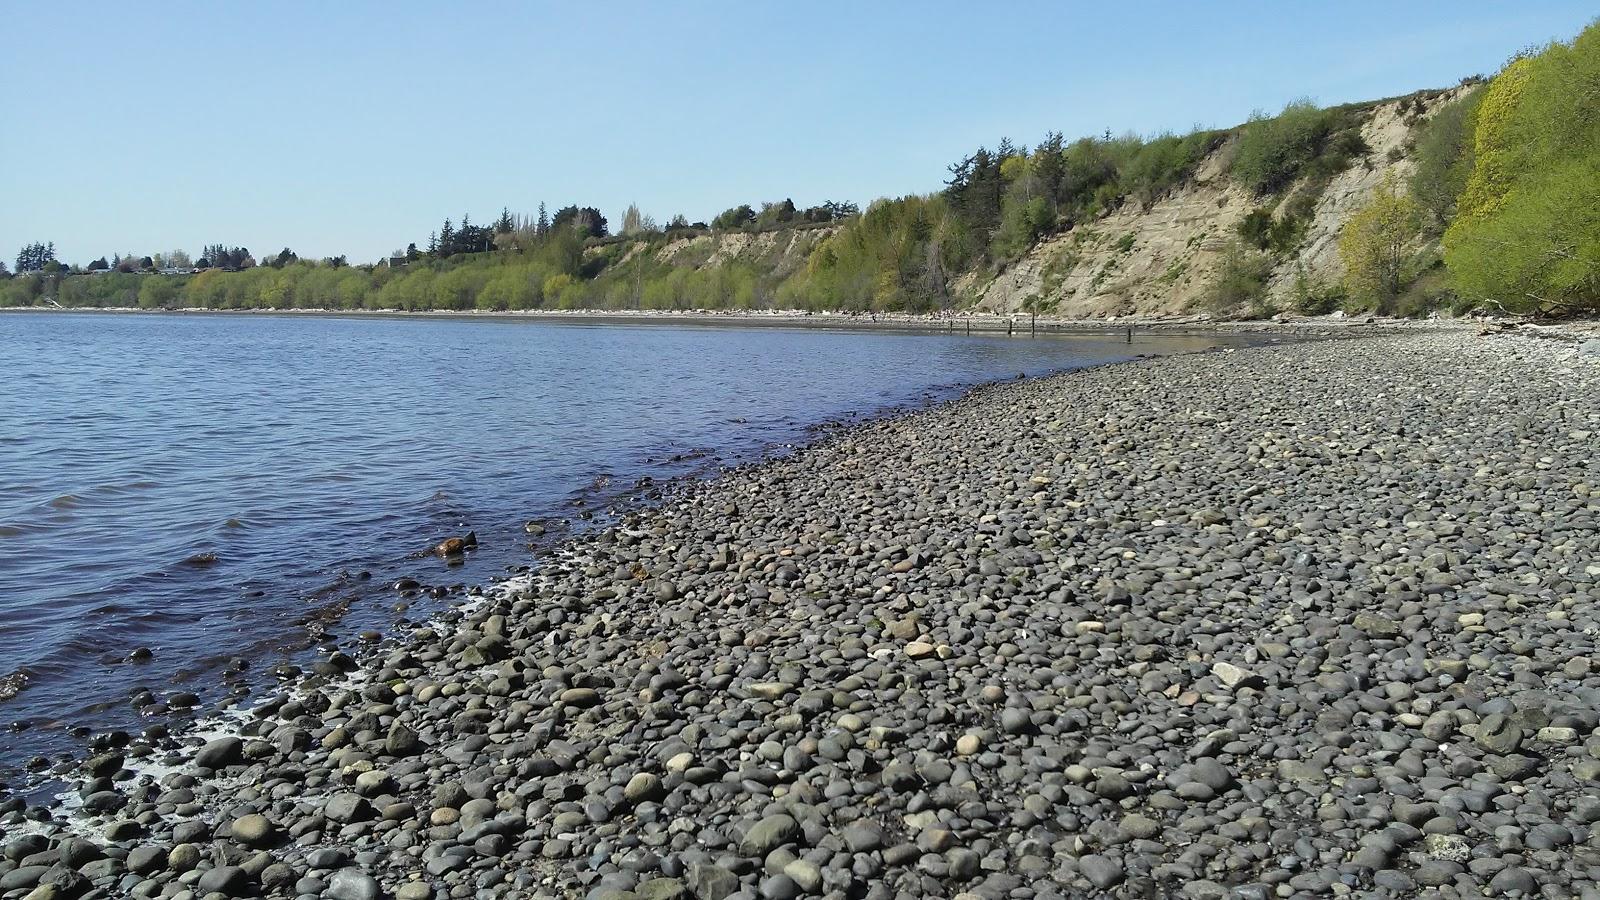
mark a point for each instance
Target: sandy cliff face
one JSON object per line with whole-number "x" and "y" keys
{"x": 780, "y": 252}
{"x": 1161, "y": 259}
{"x": 1155, "y": 260}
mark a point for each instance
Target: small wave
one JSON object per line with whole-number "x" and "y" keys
{"x": 233, "y": 523}
{"x": 201, "y": 559}
{"x": 12, "y": 531}
{"x": 66, "y": 501}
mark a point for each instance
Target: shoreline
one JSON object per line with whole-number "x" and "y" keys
{"x": 641, "y": 633}
{"x": 953, "y": 322}
{"x": 184, "y": 722}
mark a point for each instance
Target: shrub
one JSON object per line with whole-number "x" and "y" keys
{"x": 1021, "y": 223}
{"x": 556, "y": 284}
{"x": 1161, "y": 164}
{"x": 1282, "y": 234}
{"x": 1272, "y": 151}
{"x": 1256, "y": 228}
{"x": 1314, "y": 297}
{"x": 1375, "y": 247}
{"x": 1444, "y": 158}
{"x": 1302, "y": 141}
{"x": 1428, "y": 291}
{"x": 1056, "y": 270}
{"x": 1241, "y": 283}
{"x": 897, "y": 255}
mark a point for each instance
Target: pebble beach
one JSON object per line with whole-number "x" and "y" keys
{"x": 1303, "y": 619}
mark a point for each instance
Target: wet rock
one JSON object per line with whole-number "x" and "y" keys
{"x": 220, "y": 753}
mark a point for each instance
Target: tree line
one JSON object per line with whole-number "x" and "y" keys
{"x": 1506, "y": 180}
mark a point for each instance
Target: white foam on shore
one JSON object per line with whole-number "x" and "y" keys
{"x": 70, "y": 817}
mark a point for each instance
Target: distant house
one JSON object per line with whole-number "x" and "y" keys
{"x": 395, "y": 262}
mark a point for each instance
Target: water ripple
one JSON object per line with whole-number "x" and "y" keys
{"x": 194, "y": 483}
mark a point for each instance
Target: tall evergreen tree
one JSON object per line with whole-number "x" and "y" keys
{"x": 35, "y": 257}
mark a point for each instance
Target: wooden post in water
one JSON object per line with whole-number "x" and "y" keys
{"x": 969, "y": 327}
{"x": 1130, "y": 334}
{"x": 1033, "y": 326}
{"x": 1009, "y": 324}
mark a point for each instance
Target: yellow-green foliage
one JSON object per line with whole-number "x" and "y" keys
{"x": 1526, "y": 236}
{"x": 1494, "y": 144}
{"x": 1376, "y": 247}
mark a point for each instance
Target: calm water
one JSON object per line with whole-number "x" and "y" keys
{"x": 213, "y": 488}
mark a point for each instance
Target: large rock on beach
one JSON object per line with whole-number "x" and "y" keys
{"x": 220, "y": 753}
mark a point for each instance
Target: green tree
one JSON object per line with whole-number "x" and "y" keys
{"x": 774, "y": 215}
{"x": 1526, "y": 236}
{"x": 1375, "y": 247}
{"x": 1443, "y": 158}
{"x": 632, "y": 222}
{"x": 734, "y": 218}
{"x": 35, "y": 257}
{"x": 157, "y": 293}
{"x": 586, "y": 220}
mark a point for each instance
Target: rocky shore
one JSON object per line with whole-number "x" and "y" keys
{"x": 1305, "y": 619}
{"x": 955, "y": 322}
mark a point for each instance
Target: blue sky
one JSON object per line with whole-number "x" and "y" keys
{"x": 356, "y": 127}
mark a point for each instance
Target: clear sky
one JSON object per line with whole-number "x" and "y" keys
{"x": 356, "y": 127}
